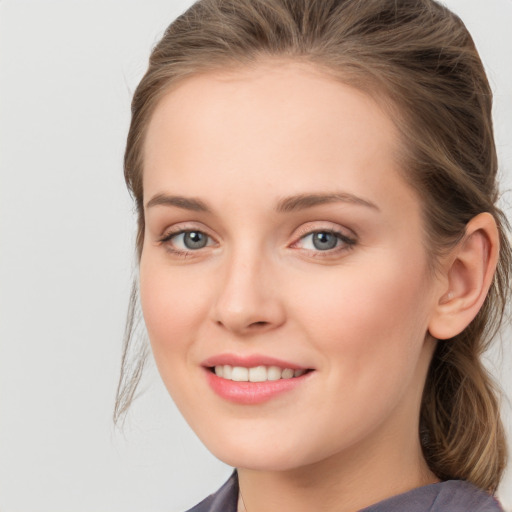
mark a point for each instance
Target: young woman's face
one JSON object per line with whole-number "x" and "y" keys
{"x": 281, "y": 240}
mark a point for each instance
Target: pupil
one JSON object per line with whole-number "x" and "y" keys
{"x": 194, "y": 240}
{"x": 324, "y": 241}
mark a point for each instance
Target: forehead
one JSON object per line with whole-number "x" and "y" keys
{"x": 285, "y": 96}
{"x": 284, "y": 124}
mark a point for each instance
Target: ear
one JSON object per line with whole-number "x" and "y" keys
{"x": 468, "y": 270}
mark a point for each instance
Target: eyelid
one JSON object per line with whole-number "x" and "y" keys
{"x": 172, "y": 234}
{"x": 348, "y": 237}
{"x": 330, "y": 227}
{"x": 345, "y": 235}
{"x": 181, "y": 228}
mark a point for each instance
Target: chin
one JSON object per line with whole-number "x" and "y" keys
{"x": 260, "y": 455}
{"x": 262, "y": 461}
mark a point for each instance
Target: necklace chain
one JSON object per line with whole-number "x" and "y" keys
{"x": 244, "y": 509}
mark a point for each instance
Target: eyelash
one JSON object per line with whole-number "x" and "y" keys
{"x": 347, "y": 242}
{"x": 165, "y": 239}
{"x": 344, "y": 242}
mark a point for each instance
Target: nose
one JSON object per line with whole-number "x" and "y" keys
{"x": 248, "y": 300}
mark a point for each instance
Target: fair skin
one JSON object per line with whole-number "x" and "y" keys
{"x": 278, "y": 226}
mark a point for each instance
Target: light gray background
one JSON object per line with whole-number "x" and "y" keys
{"x": 67, "y": 70}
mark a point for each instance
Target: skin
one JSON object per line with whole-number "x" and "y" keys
{"x": 359, "y": 314}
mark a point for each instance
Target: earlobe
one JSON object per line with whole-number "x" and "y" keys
{"x": 469, "y": 270}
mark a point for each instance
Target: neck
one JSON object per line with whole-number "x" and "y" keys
{"x": 341, "y": 483}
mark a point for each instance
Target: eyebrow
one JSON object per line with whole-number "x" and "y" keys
{"x": 285, "y": 205}
{"x": 303, "y": 201}
{"x": 186, "y": 203}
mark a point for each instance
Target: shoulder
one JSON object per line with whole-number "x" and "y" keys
{"x": 224, "y": 500}
{"x": 458, "y": 495}
{"x": 449, "y": 496}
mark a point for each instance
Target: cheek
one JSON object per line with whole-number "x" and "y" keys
{"x": 171, "y": 305}
{"x": 367, "y": 323}
{"x": 173, "y": 309}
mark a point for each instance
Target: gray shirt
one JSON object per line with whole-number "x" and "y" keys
{"x": 449, "y": 496}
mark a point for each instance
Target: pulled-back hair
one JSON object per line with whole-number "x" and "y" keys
{"x": 418, "y": 59}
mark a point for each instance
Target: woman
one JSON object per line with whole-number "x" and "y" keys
{"x": 322, "y": 261}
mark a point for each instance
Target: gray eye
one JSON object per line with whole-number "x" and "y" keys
{"x": 194, "y": 240}
{"x": 323, "y": 240}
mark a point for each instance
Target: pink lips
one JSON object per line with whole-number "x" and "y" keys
{"x": 249, "y": 361}
{"x": 251, "y": 393}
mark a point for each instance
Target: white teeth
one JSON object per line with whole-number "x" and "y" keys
{"x": 240, "y": 374}
{"x": 274, "y": 373}
{"x": 227, "y": 370}
{"x": 287, "y": 373}
{"x": 256, "y": 373}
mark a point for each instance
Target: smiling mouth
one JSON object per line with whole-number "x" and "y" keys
{"x": 256, "y": 373}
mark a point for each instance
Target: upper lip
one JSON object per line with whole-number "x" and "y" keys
{"x": 249, "y": 361}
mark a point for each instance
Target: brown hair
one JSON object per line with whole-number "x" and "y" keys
{"x": 418, "y": 57}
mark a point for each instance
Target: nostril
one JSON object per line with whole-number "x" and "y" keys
{"x": 258, "y": 324}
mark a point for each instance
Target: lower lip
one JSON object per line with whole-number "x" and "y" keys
{"x": 251, "y": 393}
